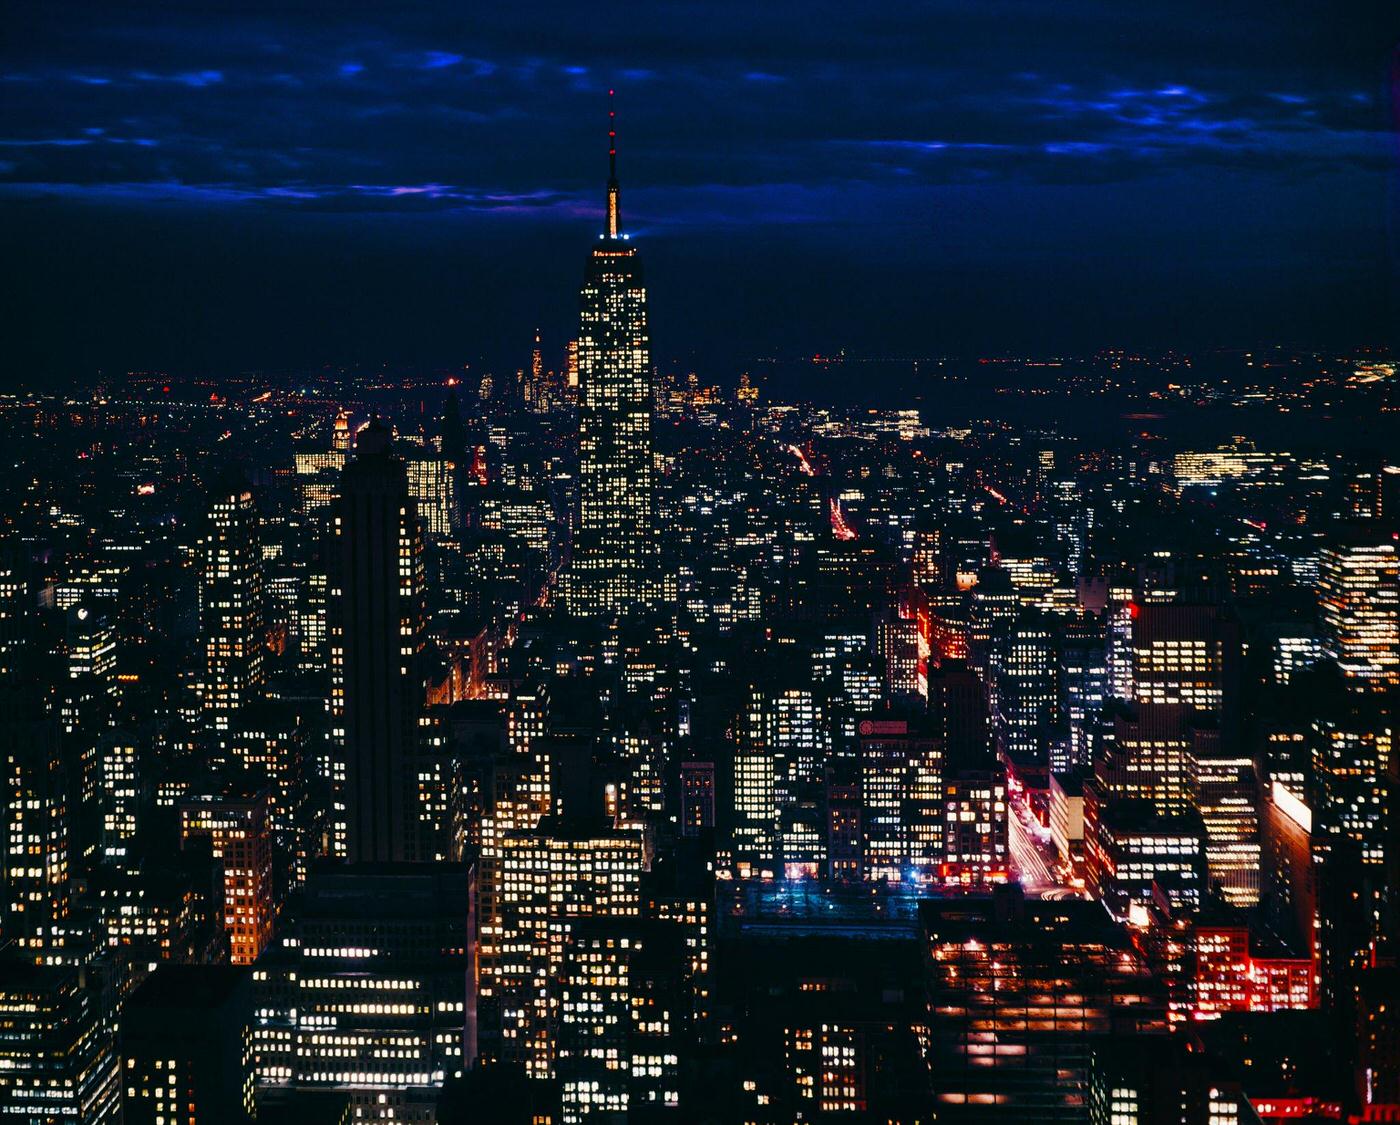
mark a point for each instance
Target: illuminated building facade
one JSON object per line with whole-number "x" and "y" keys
{"x": 375, "y": 994}
{"x": 902, "y": 814}
{"x": 976, "y": 847}
{"x": 779, "y": 755}
{"x": 1185, "y": 655}
{"x": 845, "y": 836}
{"x": 272, "y": 741}
{"x": 1295, "y": 651}
{"x": 571, "y": 371}
{"x": 432, "y": 482}
{"x": 1352, "y": 743}
{"x": 1358, "y": 591}
{"x": 92, "y": 647}
{"x": 1067, "y": 818}
{"x": 897, "y": 645}
{"x": 56, "y": 1058}
{"x": 1129, "y": 847}
{"x": 542, "y": 879}
{"x": 1084, "y": 685}
{"x": 697, "y": 797}
{"x": 621, "y": 1013}
{"x": 238, "y": 831}
{"x": 13, "y": 593}
{"x": 1148, "y": 758}
{"x": 1025, "y": 666}
{"x": 1225, "y": 791}
{"x": 1018, "y": 992}
{"x": 1231, "y": 973}
{"x": 1290, "y": 876}
{"x": 1237, "y": 463}
{"x": 38, "y": 840}
{"x": 318, "y": 473}
{"x": 120, "y": 754}
{"x": 1146, "y": 1080}
{"x": 313, "y": 654}
{"x": 613, "y": 563}
{"x": 149, "y": 915}
{"x": 230, "y": 606}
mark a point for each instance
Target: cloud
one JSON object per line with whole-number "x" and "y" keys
{"x": 196, "y": 79}
{"x": 436, "y": 60}
{"x": 748, "y": 96}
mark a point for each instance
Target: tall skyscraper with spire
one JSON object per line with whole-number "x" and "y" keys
{"x": 614, "y": 550}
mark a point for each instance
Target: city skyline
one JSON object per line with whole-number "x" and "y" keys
{"x": 884, "y": 733}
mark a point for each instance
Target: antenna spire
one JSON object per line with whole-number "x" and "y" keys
{"x": 614, "y": 218}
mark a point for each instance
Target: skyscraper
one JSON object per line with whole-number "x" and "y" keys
{"x": 564, "y": 870}
{"x": 432, "y": 481}
{"x": 237, "y": 828}
{"x": 1359, "y": 599}
{"x": 37, "y": 828}
{"x": 536, "y": 390}
{"x": 902, "y": 801}
{"x": 374, "y": 995}
{"x": 614, "y": 545}
{"x": 377, "y": 623}
{"x": 56, "y": 1058}
{"x": 230, "y": 606}
{"x": 92, "y": 647}
{"x": 1018, "y": 992}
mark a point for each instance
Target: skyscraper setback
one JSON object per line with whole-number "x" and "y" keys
{"x": 614, "y": 548}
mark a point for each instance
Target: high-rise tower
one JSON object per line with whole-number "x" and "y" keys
{"x": 230, "y": 605}
{"x": 377, "y": 622}
{"x": 614, "y": 549}
{"x": 1359, "y": 599}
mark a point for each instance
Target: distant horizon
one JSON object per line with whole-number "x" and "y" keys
{"x": 728, "y": 371}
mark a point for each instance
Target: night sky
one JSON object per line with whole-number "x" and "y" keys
{"x": 205, "y": 188}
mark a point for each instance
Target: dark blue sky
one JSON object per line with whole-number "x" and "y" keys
{"x": 203, "y": 186}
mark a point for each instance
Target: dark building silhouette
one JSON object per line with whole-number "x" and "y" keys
{"x": 187, "y": 1047}
{"x": 377, "y": 681}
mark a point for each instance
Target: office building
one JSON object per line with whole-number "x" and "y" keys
{"x": 231, "y": 607}
{"x": 614, "y": 552}
{"x": 186, "y": 1048}
{"x": 563, "y": 870}
{"x": 1358, "y": 589}
{"x": 241, "y": 840}
{"x": 1018, "y": 992}
{"x": 57, "y": 1062}
{"x": 38, "y": 842}
{"x": 378, "y": 685}
{"x": 375, "y": 993}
